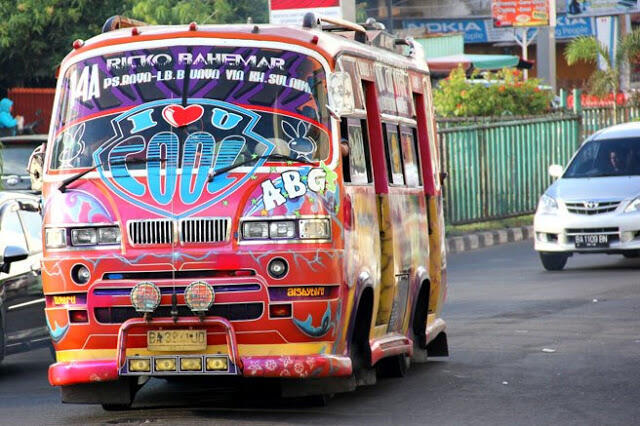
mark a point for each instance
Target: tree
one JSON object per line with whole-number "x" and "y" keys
{"x": 203, "y": 11}
{"x": 35, "y": 35}
{"x": 589, "y": 49}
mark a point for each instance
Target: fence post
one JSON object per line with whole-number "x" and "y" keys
{"x": 563, "y": 98}
{"x": 577, "y": 109}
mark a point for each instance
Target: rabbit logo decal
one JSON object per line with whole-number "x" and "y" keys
{"x": 299, "y": 142}
{"x": 73, "y": 146}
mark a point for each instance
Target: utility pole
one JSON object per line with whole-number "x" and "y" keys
{"x": 390, "y": 16}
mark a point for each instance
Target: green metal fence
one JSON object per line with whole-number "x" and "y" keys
{"x": 596, "y": 118}
{"x": 499, "y": 168}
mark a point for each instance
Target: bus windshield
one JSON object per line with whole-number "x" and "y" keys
{"x": 257, "y": 101}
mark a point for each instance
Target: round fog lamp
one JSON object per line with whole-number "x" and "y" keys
{"x": 199, "y": 296}
{"x": 80, "y": 274}
{"x": 278, "y": 268}
{"x": 145, "y": 297}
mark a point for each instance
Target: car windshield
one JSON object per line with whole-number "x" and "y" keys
{"x": 606, "y": 157}
{"x": 15, "y": 157}
{"x": 192, "y": 105}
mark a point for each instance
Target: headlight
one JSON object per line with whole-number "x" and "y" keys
{"x": 282, "y": 229}
{"x": 317, "y": 229}
{"x": 633, "y": 206}
{"x": 55, "y": 238}
{"x": 255, "y": 230}
{"x": 84, "y": 237}
{"x": 305, "y": 229}
{"x": 145, "y": 297}
{"x": 109, "y": 235}
{"x": 547, "y": 205}
{"x": 199, "y": 296}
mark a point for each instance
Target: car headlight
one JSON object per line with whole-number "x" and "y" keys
{"x": 55, "y": 238}
{"x": 633, "y": 206}
{"x": 317, "y": 229}
{"x": 255, "y": 230}
{"x": 547, "y": 204}
{"x": 82, "y": 237}
{"x": 304, "y": 229}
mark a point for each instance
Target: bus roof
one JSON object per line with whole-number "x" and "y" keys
{"x": 328, "y": 44}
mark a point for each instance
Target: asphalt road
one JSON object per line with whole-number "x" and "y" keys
{"x": 527, "y": 347}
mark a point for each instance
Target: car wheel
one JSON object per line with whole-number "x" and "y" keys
{"x": 553, "y": 261}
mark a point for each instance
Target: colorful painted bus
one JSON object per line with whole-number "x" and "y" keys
{"x": 241, "y": 200}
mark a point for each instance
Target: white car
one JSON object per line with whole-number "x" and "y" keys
{"x": 594, "y": 206}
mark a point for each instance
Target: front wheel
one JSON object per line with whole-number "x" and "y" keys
{"x": 553, "y": 261}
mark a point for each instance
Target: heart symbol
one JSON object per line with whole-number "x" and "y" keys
{"x": 179, "y": 116}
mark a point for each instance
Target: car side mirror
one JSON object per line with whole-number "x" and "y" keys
{"x": 12, "y": 254}
{"x": 555, "y": 170}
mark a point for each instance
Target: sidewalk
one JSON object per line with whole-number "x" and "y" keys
{"x": 483, "y": 239}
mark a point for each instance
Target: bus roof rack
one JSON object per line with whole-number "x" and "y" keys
{"x": 335, "y": 24}
{"x": 118, "y": 21}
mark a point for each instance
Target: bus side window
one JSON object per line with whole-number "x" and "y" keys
{"x": 393, "y": 154}
{"x": 356, "y": 165}
{"x": 410, "y": 157}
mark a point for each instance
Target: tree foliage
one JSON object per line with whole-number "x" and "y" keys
{"x": 502, "y": 93}
{"x": 35, "y": 35}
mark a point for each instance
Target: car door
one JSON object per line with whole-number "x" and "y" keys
{"x": 20, "y": 225}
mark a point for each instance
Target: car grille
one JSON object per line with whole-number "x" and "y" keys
{"x": 230, "y": 311}
{"x": 204, "y": 230}
{"x": 592, "y": 207}
{"x": 196, "y": 230}
{"x": 151, "y": 231}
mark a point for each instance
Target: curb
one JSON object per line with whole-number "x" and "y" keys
{"x": 488, "y": 238}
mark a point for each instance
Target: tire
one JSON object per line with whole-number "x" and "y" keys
{"x": 116, "y": 407}
{"x": 394, "y": 366}
{"x": 553, "y": 261}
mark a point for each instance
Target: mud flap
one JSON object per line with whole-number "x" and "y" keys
{"x": 119, "y": 392}
{"x": 438, "y": 346}
{"x": 293, "y": 388}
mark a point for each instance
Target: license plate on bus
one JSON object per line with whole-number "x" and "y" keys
{"x": 177, "y": 340}
{"x": 592, "y": 241}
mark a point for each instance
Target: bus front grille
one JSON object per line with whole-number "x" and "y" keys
{"x": 150, "y": 231}
{"x": 204, "y": 230}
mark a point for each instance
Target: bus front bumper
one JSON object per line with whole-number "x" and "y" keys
{"x": 232, "y": 363}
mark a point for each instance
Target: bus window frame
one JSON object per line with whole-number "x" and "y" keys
{"x": 412, "y": 131}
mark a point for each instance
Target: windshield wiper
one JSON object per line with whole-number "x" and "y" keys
{"x": 215, "y": 173}
{"x": 68, "y": 181}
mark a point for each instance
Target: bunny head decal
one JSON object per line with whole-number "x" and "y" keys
{"x": 73, "y": 146}
{"x": 299, "y": 142}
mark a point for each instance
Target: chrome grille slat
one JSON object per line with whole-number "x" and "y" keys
{"x": 204, "y": 230}
{"x": 152, "y": 231}
{"x": 600, "y": 207}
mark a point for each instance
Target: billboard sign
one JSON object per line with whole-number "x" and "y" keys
{"x": 482, "y": 30}
{"x": 602, "y": 7}
{"x": 291, "y": 12}
{"x": 520, "y": 13}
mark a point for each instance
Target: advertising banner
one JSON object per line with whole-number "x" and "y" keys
{"x": 602, "y": 7}
{"x": 291, "y": 12}
{"x": 520, "y": 13}
{"x": 482, "y": 30}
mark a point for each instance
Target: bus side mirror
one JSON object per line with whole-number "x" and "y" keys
{"x": 340, "y": 91}
{"x": 555, "y": 170}
{"x": 12, "y": 254}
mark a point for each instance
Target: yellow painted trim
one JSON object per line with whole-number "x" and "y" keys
{"x": 311, "y": 348}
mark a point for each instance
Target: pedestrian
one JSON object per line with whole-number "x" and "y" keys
{"x": 8, "y": 124}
